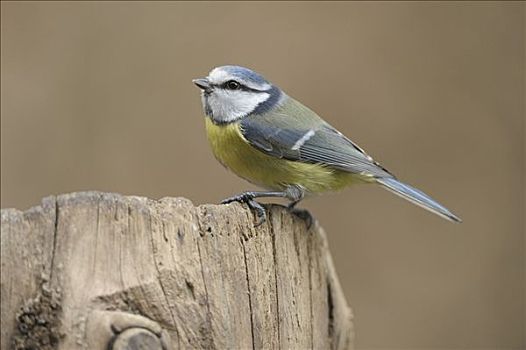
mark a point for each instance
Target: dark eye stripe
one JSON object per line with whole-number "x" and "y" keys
{"x": 241, "y": 87}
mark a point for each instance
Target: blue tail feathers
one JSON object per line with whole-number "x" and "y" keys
{"x": 417, "y": 197}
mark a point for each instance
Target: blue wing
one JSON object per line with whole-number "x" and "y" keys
{"x": 296, "y": 133}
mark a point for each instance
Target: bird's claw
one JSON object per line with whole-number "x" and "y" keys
{"x": 260, "y": 212}
{"x": 304, "y": 215}
{"x": 248, "y": 198}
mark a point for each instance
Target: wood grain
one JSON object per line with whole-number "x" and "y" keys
{"x": 98, "y": 270}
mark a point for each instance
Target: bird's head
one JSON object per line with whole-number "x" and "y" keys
{"x": 230, "y": 93}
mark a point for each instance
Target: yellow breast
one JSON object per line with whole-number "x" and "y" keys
{"x": 234, "y": 152}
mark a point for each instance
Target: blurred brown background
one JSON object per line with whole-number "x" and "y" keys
{"x": 99, "y": 96}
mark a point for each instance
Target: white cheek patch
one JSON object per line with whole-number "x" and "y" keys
{"x": 228, "y": 105}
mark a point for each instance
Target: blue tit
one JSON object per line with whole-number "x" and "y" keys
{"x": 270, "y": 139}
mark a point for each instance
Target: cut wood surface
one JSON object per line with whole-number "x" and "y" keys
{"x": 104, "y": 271}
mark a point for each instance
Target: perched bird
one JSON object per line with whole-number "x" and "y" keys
{"x": 274, "y": 141}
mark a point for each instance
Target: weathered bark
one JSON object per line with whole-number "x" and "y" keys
{"x": 105, "y": 271}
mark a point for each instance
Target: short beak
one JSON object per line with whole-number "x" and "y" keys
{"x": 202, "y": 83}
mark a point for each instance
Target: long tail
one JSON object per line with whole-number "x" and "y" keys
{"x": 417, "y": 197}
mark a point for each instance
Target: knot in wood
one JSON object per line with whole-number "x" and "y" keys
{"x": 136, "y": 338}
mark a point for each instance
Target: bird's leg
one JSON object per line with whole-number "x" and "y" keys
{"x": 249, "y": 196}
{"x": 293, "y": 204}
{"x": 293, "y": 193}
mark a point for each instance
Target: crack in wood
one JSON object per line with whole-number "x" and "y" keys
{"x": 211, "y": 345}
{"x": 249, "y": 295}
{"x": 160, "y": 280}
{"x": 275, "y": 256}
{"x": 309, "y": 252}
{"x": 330, "y": 315}
{"x": 55, "y": 226}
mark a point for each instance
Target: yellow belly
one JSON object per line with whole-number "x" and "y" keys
{"x": 235, "y": 153}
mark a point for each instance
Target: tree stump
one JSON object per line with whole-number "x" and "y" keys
{"x": 104, "y": 271}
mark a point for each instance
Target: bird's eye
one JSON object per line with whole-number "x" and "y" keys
{"x": 233, "y": 85}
